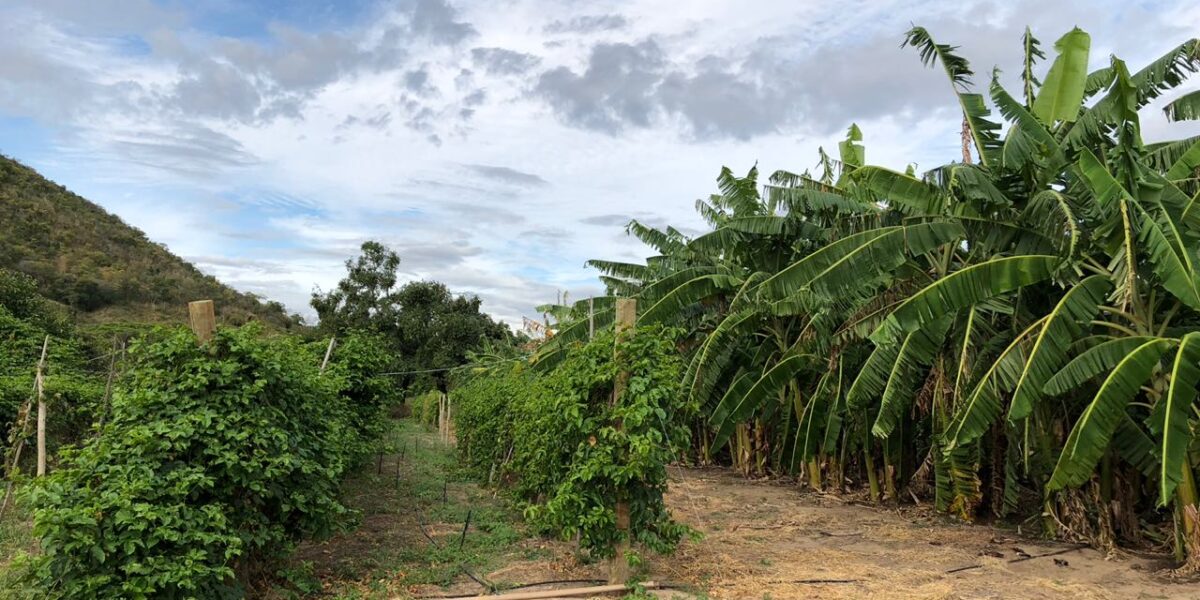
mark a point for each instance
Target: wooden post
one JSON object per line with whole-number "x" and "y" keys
{"x": 328, "y": 352}
{"x": 112, "y": 369}
{"x": 23, "y": 417}
{"x": 40, "y": 382}
{"x": 202, "y": 317}
{"x": 626, "y": 318}
{"x": 591, "y": 319}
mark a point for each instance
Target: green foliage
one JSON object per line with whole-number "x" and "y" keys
{"x": 1057, "y": 259}
{"x": 570, "y": 451}
{"x": 483, "y": 409}
{"x": 73, "y": 384}
{"x": 424, "y": 407}
{"x": 90, "y": 260}
{"x": 428, "y": 329}
{"x": 215, "y": 461}
{"x": 359, "y": 361}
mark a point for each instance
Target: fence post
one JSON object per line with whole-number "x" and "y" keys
{"x": 39, "y": 381}
{"x": 202, "y": 317}
{"x": 619, "y": 569}
{"x": 112, "y": 369}
{"x": 22, "y": 416}
{"x": 328, "y": 352}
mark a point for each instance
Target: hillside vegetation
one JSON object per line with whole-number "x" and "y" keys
{"x": 99, "y": 266}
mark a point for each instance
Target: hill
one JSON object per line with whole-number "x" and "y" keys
{"x": 103, "y": 269}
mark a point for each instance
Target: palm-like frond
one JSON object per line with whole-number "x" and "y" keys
{"x": 1179, "y": 400}
{"x": 1061, "y": 96}
{"x": 915, "y": 355}
{"x": 901, "y": 191}
{"x": 984, "y": 133}
{"x": 1184, "y": 108}
{"x": 1033, "y": 52}
{"x": 964, "y": 288}
{"x": 853, "y": 259}
{"x": 1059, "y": 329}
{"x": 689, "y": 292}
{"x": 764, "y": 388}
{"x": 981, "y": 408}
{"x": 1092, "y": 362}
{"x": 1094, "y": 430}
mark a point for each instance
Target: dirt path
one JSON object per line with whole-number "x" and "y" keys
{"x": 760, "y": 535}
{"x": 759, "y": 539}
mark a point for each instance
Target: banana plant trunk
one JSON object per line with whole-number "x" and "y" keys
{"x": 1186, "y": 513}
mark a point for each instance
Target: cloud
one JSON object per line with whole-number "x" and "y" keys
{"x": 417, "y": 81}
{"x": 192, "y": 152}
{"x": 615, "y": 91}
{"x": 499, "y": 61}
{"x": 452, "y": 118}
{"x": 508, "y": 175}
{"x": 607, "y": 220}
{"x": 436, "y": 20}
{"x": 587, "y": 24}
{"x": 433, "y": 257}
{"x": 112, "y": 17}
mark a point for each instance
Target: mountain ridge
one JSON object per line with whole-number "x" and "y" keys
{"x": 103, "y": 269}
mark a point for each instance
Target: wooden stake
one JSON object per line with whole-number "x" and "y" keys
{"x": 40, "y": 382}
{"x": 202, "y": 317}
{"x": 567, "y": 593}
{"x": 328, "y": 353}
{"x": 463, "y": 538}
{"x": 626, "y": 318}
{"x": 23, "y": 417}
{"x": 112, "y": 369}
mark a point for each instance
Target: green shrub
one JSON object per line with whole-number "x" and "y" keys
{"x": 482, "y": 410}
{"x": 74, "y": 385}
{"x": 425, "y": 407}
{"x": 215, "y": 461}
{"x": 574, "y": 451}
{"x": 359, "y": 361}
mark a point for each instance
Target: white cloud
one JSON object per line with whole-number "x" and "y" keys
{"x": 495, "y": 149}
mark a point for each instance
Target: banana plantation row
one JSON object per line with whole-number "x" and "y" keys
{"x": 1013, "y": 335}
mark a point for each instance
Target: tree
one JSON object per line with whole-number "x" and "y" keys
{"x": 429, "y": 329}
{"x": 361, "y": 299}
{"x": 864, "y": 315}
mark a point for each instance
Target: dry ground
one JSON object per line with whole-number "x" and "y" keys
{"x": 761, "y": 536}
{"x": 760, "y": 539}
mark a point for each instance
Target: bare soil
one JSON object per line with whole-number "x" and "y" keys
{"x": 761, "y": 539}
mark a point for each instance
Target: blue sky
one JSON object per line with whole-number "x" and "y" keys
{"x": 495, "y": 145}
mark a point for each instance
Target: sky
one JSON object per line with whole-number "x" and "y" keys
{"x": 496, "y": 146}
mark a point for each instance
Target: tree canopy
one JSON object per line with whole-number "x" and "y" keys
{"x": 429, "y": 328}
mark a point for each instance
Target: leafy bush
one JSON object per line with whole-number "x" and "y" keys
{"x": 483, "y": 416}
{"x": 215, "y": 461}
{"x": 575, "y": 451}
{"x": 358, "y": 362}
{"x": 73, "y": 385}
{"x": 425, "y": 407}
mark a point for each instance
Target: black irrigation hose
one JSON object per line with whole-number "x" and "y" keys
{"x": 487, "y": 585}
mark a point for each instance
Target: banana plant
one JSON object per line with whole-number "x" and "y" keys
{"x": 1026, "y": 313}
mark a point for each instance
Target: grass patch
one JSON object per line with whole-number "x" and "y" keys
{"x": 415, "y": 483}
{"x": 16, "y": 537}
